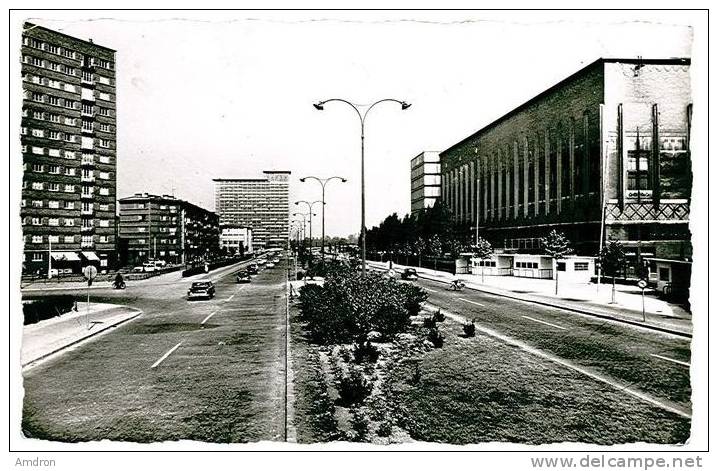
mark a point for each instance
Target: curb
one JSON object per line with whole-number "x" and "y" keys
{"x": 665, "y": 330}
{"x": 105, "y": 328}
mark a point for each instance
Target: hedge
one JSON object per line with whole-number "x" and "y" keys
{"x": 47, "y": 308}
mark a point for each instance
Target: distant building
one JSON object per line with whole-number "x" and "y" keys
{"x": 260, "y": 204}
{"x": 425, "y": 180}
{"x": 166, "y": 228}
{"x": 238, "y": 240}
{"x": 68, "y": 140}
{"x": 603, "y": 154}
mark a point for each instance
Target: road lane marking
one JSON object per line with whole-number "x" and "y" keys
{"x": 543, "y": 322}
{"x": 157, "y": 363}
{"x": 229, "y": 298}
{"x": 430, "y": 290}
{"x": 207, "y": 318}
{"x": 672, "y": 360}
{"x": 470, "y": 301}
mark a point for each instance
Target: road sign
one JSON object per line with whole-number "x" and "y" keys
{"x": 90, "y": 272}
{"x": 642, "y": 284}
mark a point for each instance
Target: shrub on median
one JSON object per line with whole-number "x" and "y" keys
{"x": 350, "y": 306}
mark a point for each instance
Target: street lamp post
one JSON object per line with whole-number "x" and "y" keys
{"x": 362, "y": 119}
{"x": 323, "y": 182}
{"x": 310, "y": 206}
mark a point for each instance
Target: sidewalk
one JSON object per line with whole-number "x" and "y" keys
{"x": 58, "y": 333}
{"x": 578, "y": 297}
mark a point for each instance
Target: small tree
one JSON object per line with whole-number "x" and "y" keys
{"x": 483, "y": 251}
{"x": 420, "y": 247}
{"x": 435, "y": 248}
{"x": 556, "y": 245}
{"x": 612, "y": 259}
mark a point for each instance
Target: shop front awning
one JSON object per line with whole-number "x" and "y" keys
{"x": 91, "y": 256}
{"x": 65, "y": 256}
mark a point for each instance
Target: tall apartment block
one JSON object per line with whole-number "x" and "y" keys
{"x": 166, "y": 228}
{"x": 260, "y": 204}
{"x": 69, "y": 153}
{"x": 425, "y": 180}
{"x": 603, "y": 154}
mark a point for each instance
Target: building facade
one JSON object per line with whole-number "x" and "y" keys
{"x": 153, "y": 227}
{"x": 603, "y": 154}
{"x": 260, "y": 204}
{"x": 236, "y": 240}
{"x": 68, "y": 140}
{"x": 425, "y": 180}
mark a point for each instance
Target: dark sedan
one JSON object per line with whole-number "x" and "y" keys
{"x": 201, "y": 289}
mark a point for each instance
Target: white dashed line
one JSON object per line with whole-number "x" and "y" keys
{"x": 543, "y": 322}
{"x": 430, "y": 290}
{"x": 207, "y": 318}
{"x": 470, "y": 301}
{"x": 671, "y": 360}
{"x": 157, "y": 363}
{"x": 229, "y": 298}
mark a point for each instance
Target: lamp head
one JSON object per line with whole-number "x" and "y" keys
{"x": 405, "y": 105}
{"x": 344, "y": 180}
{"x": 303, "y": 179}
{"x": 319, "y": 106}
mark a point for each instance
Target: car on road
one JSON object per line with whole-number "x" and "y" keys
{"x": 409, "y": 274}
{"x": 270, "y": 265}
{"x": 252, "y": 269}
{"x": 243, "y": 276}
{"x": 261, "y": 262}
{"x": 201, "y": 289}
{"x": 275, "y": 261}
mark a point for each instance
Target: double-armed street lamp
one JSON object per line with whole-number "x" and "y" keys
{"x": 303, "y": 222}
{"x": 310, "y": 206}
{"x": 323, "y": 182}
{"x": 362, "y": 120}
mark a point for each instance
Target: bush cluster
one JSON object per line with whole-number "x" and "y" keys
{"x": 470, "y": 329}
{"x": 47, "y": 307}
{"x": 353, "y": 386}
{"x": 350, "y": 306}
{"x": 436, "y": 337}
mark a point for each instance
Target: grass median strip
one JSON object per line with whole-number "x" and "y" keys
{"x": 544, "y": 322}
{"x": 164, "y": 357}
{"x": 647, "y": 398}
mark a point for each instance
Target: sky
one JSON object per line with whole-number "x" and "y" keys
{"x": 205, "y": 95}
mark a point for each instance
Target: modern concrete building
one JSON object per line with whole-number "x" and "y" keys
{"x": 68, "y": 140}
{"x": 166, "y": 228}
{"x": 237, "y": 240}
{"x": 425, "y": 180}
{"x": 603, "y": 154}
{"x": 260, "y": 204}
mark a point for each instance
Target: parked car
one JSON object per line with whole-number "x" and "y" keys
{"x": 409, "y": 274}
{"x": 243, "y": 277}
{"x": 252, "y": 269}
{"x": 148, "y": 266}
{"x": 275, "y": 260}
{"x": 139, "y": 268}
{"x": 159, "y": 263}
{"x": 201, "y": 289}
{"x": 270, "y": 265}
{"x": 261, "y": 262}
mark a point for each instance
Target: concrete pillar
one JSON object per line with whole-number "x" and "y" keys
{"x": 525, "y": 196}
{"x": 547, "y": 172}
{"x": 500, "y": 185}
{"x": 537, "y": 171}
{"x": 516, "y": 180}
{"x": 492, "y": 177}
{"x": 559, "y": 171}
{"x": 572, "y": 160}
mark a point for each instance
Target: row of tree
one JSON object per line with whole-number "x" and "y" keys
{"x": 433, "y": 233}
